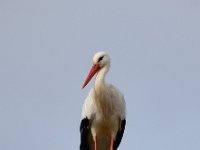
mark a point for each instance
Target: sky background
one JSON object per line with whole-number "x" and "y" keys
{"x": 46, "y": 50}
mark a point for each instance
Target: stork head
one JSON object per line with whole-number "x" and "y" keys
{"x": 100, "y": 60}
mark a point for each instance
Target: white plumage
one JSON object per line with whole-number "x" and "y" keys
{"x": 104, "y": 111}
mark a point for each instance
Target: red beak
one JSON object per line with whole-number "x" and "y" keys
{"x": 92, "y": 72}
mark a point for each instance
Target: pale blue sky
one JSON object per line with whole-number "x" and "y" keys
{"x": 46, "y": 50}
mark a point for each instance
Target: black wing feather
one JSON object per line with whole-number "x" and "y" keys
{"x": 84, "y": 130}
{"x": 119, "y": 135}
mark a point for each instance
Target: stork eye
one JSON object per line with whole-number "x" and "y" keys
{"x": 100, "y": 58}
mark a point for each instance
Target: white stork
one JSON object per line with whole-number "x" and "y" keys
{"x": 103, "y": 116}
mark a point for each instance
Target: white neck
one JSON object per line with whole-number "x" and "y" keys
{"x": 100, "y": 78}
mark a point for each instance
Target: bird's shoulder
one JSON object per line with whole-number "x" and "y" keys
{"x": 118, "y": 98}
{"x": 115, "y": 92}
{"x": 89, "y": 105}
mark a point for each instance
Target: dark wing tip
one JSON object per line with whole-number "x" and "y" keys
{"x": 119, "y": 135}
{"x": 84, "y": 130}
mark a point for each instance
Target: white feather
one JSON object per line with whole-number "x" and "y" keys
{"x": 104, "y": 106}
